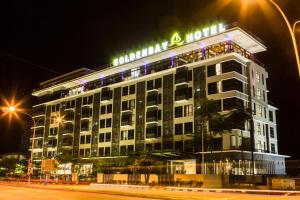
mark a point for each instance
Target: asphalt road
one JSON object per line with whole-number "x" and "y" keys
{"x": 21, "y": 193}
{"x": 56, "y": 193}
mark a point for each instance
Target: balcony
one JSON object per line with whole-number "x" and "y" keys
{"x": 67, "y": 141}
{"x": 183, "y": 93}
{"x": 152, "y": 99}
{"x": 153, "y": 131}
{"x": 126, "y": 119}
{"x": 182, "y": 76}
{"x": 106, "y": 94}
{"x": 153, "y": 116}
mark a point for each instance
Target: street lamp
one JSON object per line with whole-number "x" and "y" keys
{"x": 12, "y": 109}
{"x": 291, "y": 31}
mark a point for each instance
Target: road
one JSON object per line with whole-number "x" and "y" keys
{"x": 54, "y": 193}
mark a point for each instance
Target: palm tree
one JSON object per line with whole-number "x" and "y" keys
{"x": 236, "y": 118}
{"x": 207, "y": 111}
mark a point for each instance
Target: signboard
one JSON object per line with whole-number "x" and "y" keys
{"x": 64, "y": 169}
{"x": 175, "y": 40}
{"x": 49, "y": 165}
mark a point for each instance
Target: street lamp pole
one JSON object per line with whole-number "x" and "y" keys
{"x": 291, "y": 31}
{"x": 294, "y": 26}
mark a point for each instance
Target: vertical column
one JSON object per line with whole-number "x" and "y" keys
{"x": 200, "y": 93}
{"x": 168, "y": 101}
{"x": 77, "y": 115}
{"x": 60, "y": 130}
{"x": 140, "y": 117}
{"x": 95, "y": 124}
{"x": 116, "y": 122}
{"x": 46, "y": 130}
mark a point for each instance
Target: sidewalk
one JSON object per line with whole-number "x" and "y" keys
{"x": 153, "y": 192}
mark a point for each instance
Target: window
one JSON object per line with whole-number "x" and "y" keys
{"x": 132, "y": 89}
{"x": 81, "y": 152}
{"x": 103, "y": 110}
{"x": 102, "y": 123}
{"x": 127, "y": 135}
{"x": 85, "y": 125}
{"x": 101, "y": 151}
{"x": 108, "y": 122}
{"x": 188, "y": 128}
{"x": 123, "y": 150}
{"x": 230, "y": 66}
{"x": 259, "y": 110}
{"x": 153, "y": 131}
{"x": 257, "y": 77}
{"x": 125, "y": 91}
{"x": 262, "y": 79}
{"x": 188, "y": 110}
{"x": 178, "y": 145}
{"x": 258, "y": 128}
{"x": 150, "y": 85}
{"x": 231, "y": 103}
{"x": 271, "y": 116}
{"x": 157, "y": 83}
{"x": 149, "y": 147}
{"x": 258, "y": 93}
{"x": 272, "y": 132}
{"x": 273, "y": 150}
{"x": 101, "y": 137}
{"x": 232, "y": 140}
{"x": 107, "y": 151}
{"x": 88, "y": 139}
{"x": 82, "y": 139}
{"x": 232, "y": 84}
{"x": 157, "y": 146}
{"x": 130, "y": 134}
{"x": 107, "y": 137}
{"x": 211, "y": 70}
{"x": 130, "y": 148}
{"x": 87, "y": 152}
{"x": 212, "y": 88}
{"x": 109, "y": 108}
{"x": 178, "y": 129}
{"x": 178, "y": 111}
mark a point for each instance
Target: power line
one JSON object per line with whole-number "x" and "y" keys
{"x": 29, "y": 63}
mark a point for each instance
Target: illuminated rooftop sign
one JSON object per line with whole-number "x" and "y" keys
{"x": 176, "y": 40}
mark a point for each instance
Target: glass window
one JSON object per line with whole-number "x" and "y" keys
{"x": 101, "y": 137}
{"x": 88, "y": 139}
{"x": 103, "y": 110}
{"x": 188, "y": 110}
{"x": 271, "y": 116}
{"x": 102, "y": 123}
{"x": 130, "y": 134}
{"x": 109, "y": 108}
{"x": 108, "y": 122}
{"x": 211, "y": 70}
{"x": 212, "y": 88}
{"x": 125, "y": 91}
{"x": 188, "y": 128}
{"x": 87, "y": 152}
{"x": 107, "y": 137}
{"x": 178, "y": 129}
{"x": 82, "y": 139}
{"x": 272, "y": 135}
{"x": 101, "y": 151}
{"x": 178, "y": 111}
{"x": 107, "y": 151}
{"x": 273, "y": 150}
{"x": 132, "y": 89}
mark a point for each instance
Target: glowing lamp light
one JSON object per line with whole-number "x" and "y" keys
{"x": 12, "y": 109}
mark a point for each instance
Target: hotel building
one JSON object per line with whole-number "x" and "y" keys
{"x": 149, "y": 101}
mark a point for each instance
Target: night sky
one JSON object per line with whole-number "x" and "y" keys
{"x": 42, "y": 39}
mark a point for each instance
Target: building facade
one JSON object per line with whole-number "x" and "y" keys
{"x": 149, "y": 101}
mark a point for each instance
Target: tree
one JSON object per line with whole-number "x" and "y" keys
{"x": 236, "y": 118}
{"x": 207, "y": 111}
{"x": 144, "y": 165}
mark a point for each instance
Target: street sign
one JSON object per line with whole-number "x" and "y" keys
{"x": 49, "y": 165}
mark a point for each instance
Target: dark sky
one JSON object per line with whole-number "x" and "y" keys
{"x": 38, "y": 38}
